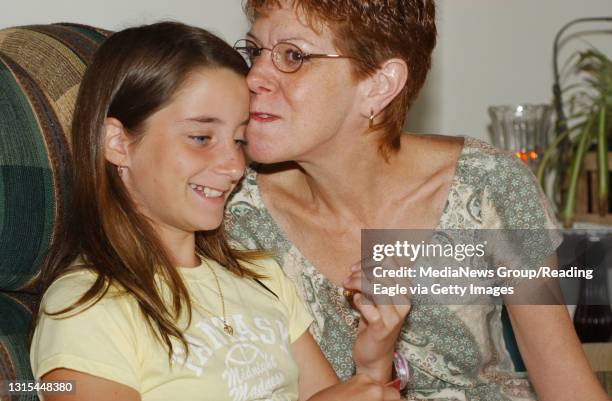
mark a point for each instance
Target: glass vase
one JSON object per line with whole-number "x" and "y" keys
{"x": 523, "y": 129}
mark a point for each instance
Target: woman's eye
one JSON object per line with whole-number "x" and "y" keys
{"x": 241, "y": 142}
{"x": 200, "y": 139}
{"x": 294, "y": 55}
{"x": 253, "y": 52}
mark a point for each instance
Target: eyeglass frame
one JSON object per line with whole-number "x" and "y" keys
{"x": 305, "y": 56}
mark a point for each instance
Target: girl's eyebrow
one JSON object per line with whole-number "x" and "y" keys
{"x": 203, "y": 119}
{"x": 211, "y": 120}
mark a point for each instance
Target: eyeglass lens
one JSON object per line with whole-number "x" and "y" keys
{"x": 285, "y": 56}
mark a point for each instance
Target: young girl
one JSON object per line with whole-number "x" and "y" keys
{"x": 144, "y": 298}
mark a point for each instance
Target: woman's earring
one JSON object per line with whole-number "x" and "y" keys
{"x": 371, "y": 118}
{"x": 120, "y": 170}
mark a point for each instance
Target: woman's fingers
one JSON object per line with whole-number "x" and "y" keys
{"x": 383, "y": 314}
{"x": 385, "y": 320}
{"x": 368, "y": 311}
{"x": 377, "y": 289}
{"x": 389, "y": 306}
{"x": 391, "y": 394}
{"x": 353, "y": 281}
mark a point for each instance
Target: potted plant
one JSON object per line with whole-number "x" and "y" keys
{"x": 588, "y": 129}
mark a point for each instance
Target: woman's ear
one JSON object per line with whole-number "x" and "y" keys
{"x": 384, "y": 85}
{"x": 116, "y": 142}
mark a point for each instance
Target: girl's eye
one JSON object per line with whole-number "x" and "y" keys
{"x": 200, "y": 139}
{"x": 241, "y": 142}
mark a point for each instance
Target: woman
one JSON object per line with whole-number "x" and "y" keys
{"x": 157, "y": 137}
{"x": 330, "y": 83}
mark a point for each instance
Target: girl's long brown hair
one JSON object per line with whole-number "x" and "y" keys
{"x": 135, "y": 73}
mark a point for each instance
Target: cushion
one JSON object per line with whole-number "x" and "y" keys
{"x": 40, "y": 71}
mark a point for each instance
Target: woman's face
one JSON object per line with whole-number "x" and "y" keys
{"x": 190, "y": 156}
{"x": 296, "y": 115}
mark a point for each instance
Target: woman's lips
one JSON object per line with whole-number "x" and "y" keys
{"x": 263, "y": 117}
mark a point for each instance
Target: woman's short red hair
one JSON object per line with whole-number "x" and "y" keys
{"x": 373, "y": 31}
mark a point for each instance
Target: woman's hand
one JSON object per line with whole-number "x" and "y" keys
{"x": 379, "y": 327}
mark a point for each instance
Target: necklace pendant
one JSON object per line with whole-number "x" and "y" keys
{"x": 229, "y": 330}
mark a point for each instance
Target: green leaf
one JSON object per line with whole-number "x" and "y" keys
{"x": 569, "y": 201}
{"x": 603, "y": 175}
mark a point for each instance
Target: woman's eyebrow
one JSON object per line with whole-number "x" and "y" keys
{"x": 286, "y": 39}
{"x": 295, "y": 38}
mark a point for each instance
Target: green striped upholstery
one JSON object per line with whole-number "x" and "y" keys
{"x": 40, "y": 70}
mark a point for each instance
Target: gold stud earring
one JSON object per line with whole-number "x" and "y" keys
{"x": 371, "y": 119}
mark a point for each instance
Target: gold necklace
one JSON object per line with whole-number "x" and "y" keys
{"x": 227, "y": 328}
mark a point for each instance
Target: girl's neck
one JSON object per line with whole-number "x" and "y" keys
{"x": 180, "y": 246}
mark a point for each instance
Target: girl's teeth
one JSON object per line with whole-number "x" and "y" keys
{"x": 212, "y": 193}
{"x": 208, "y": 192}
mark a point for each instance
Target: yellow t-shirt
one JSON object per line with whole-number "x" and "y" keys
{"x": 111, "y": 340}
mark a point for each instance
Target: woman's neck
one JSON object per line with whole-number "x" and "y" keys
{"x": 356, "y": 182}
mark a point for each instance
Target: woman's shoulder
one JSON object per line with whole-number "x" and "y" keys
{"x": 474, "y": 161}
{"x": 481, "y": 165}
{"x": 478, "y": 154}
{"x": 511, "y": 194}
{"x": 499, "y": 168}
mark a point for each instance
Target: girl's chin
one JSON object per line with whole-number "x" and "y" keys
{"x": 207, "y": 226}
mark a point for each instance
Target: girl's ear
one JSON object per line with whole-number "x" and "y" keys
{"x": 116, "y": 142}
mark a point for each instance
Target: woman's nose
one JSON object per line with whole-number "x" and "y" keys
{"x": 262, "y": 75}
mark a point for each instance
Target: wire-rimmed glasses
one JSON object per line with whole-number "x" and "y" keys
{"x": 286, "y": 56}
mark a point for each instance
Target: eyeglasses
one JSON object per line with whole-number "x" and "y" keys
{"x": 286, "y": 57}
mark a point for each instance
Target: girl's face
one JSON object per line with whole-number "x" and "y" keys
{"x": 295, "y": 115}
{"x": 190, "y": 156}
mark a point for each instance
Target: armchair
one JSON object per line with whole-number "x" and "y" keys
{"x": 40, "y": 71}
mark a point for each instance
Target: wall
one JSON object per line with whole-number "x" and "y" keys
{"x": 224, "y": 17}
{"x": 496, "y": 52}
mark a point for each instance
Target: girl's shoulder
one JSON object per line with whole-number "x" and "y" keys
{"x": 70, "y": 287}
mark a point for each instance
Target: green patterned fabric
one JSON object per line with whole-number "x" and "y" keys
{"x": 41, "y": 67}
{"x": 16, "y": 312}
{"x": 458, "y": 352}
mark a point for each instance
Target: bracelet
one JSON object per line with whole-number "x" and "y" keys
{"x": 401, "y": 369}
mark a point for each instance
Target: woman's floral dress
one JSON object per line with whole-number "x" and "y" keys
{"x": 456, "y": 352}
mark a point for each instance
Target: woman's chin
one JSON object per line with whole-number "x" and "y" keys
{"x": 265, "y": 153}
